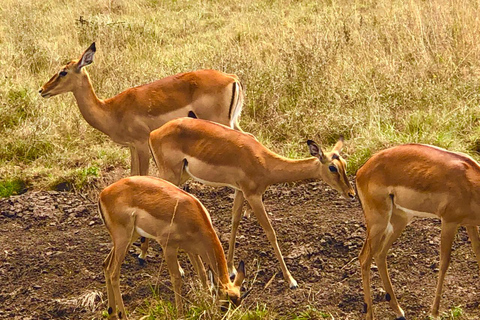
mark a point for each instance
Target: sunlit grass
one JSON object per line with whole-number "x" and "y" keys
{"x": 378, "y": 73}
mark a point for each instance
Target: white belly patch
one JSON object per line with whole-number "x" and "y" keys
{"x": 208, "y": 183}
{"x": 416, "y": 213}
{"x": 142, "y": 232}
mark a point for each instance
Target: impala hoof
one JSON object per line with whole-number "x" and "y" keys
{"x": 293, "y": 284}
{"x": 401, "y": 318}
{"x": 141, "y": 261}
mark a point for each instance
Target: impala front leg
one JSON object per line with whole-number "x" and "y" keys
{"x": 261, "y": 214}
{"x": 134, "y": 162}
{"x": 143, "y": 152}
{"x": 236, "y": 217}
{"x": 175, "y": 275}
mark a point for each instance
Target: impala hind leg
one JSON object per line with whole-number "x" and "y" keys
{"x": 398, "y": 222}
{"x": 261, "y": 214}
{"x": 107, "y": 265}
{"x": 115, "y": 259}
{"x": 236, "y": 217}
{"x": 475, "y": 239}
{"x": 449, "y": 229}
{"x": 377, "y": 222}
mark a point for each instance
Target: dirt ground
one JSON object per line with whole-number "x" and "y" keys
{"x": 52, "y": 245}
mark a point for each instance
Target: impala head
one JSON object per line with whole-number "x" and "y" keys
{"x": 333, "y": 168}
{"x": 69, "y": 76}
{"x": 230, "y": 292}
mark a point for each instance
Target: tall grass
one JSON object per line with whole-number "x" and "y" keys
{"x": 378, "y": 72}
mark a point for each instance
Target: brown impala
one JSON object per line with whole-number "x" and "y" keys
{"x": 129, "y": 117}
{"x": 217, "y": 155}
{"x": 154, "y": 208}
{"x": 410, "y": 180}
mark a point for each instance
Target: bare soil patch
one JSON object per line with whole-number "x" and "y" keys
{"x": 52, "y": 245}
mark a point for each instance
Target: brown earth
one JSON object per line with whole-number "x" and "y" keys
{"x": 52, "y": 245}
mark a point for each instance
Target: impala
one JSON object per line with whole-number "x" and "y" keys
{"x": 217, "y": 155}
{"x": 128, "y": 117}
{"x": 154, "y": 208}
{"x": 411, "y": 180}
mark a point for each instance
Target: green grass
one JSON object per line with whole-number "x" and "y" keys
{"x": 12, "y": 187}
{"x": 380, "y": 74}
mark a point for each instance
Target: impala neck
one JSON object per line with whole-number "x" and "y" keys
{"x": 214, "y": 256}
{"x": 282, "y": 169}
{"x": 92, "y": 108}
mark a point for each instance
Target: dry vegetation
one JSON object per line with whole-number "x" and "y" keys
{"x": 378, "y": 72}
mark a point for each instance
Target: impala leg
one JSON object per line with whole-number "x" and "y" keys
{"x": 397, "y": 223}
{"x": 120, "y": 249}
{"x": 143, "y": 162}
{"x": 449, "y": 229}
{"x": 261, "y": 214}
{"x": 475, "y": 239}
{"x": 236, "y": 217}
{"x": 134, "y": 162}
{"x": 143, "y": 158}
{"x": 199, "y": 268}
{"x": 107, "y": 267}
{"x": 144, "y": 243}
{"x": 175, "y": 276}
{"x": 377, "y": 222}
{"x": 365, "y": 259}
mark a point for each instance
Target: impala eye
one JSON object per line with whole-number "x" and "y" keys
{"x": 332, "y": 168}
{"x": 63, "y": 73}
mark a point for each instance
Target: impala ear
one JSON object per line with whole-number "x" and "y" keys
{"x": 316, "y": 151}
{"x": 339, "y": 145}
{"x": 87, "y": 57}
{"x": 240, "y": 274}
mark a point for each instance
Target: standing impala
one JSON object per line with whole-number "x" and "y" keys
{"x": 154, "y": 208}
{"x": 129, "y": 117}
{"x": 217, "y": 155}
{"x": 411, "y": 180}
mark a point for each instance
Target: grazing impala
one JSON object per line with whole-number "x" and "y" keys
{"x": 128, "y": 117}
{"x": 217, "y": 155}
{"x": 410, "y": 180}
{"x": 154, "y": 208}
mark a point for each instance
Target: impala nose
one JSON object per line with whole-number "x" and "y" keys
{"x": 40, "y": 91}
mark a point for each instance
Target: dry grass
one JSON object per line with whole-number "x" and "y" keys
{"x": 378, "y": 73}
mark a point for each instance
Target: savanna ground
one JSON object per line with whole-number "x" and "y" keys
{"x": 53, "y": 245}
{"x": 379, "y": 73}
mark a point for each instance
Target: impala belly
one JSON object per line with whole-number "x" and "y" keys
{"x": 142, "y": 233}
{"x": 215, "y": 176}
{"x": 157, "y": 120}
{"x": 161, "y": 229}
{"x": 417, "y": 203}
